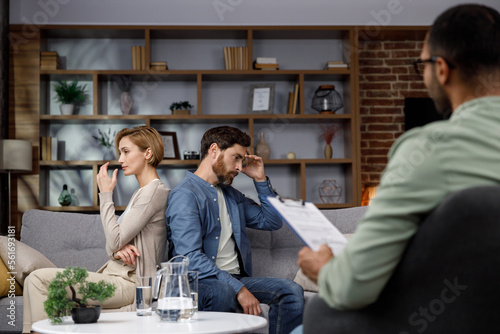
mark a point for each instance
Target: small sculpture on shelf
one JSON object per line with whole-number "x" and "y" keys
{"x": 328, "y": 132}
{"x": 329, "y": 191}
{"x": 69, "y": 95}
{"x": 65, "y": 197}
{"x": 181, "y": 108}
{"x": 124, "y": 82}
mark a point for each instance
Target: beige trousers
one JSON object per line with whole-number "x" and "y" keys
{"x": 36, "y": 287}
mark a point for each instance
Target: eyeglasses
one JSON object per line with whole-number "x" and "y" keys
{"x": 419, "y": 64}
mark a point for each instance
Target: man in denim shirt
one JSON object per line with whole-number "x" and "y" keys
{"x": 207, "y": 220}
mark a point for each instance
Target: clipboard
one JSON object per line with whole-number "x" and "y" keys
{"x": 310, "y": 225}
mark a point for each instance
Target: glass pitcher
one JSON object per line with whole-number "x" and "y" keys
{"x": 171, "y": 288}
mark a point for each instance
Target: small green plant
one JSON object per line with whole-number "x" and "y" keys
{"x": 69, "y": 93}
{"x": 105, "y": 139}
{"x": 181, "y": 105}
{"x": 124, "y": 82}
{"x": 59, "y": 305}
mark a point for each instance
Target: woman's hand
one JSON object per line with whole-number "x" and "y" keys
{"x": 254, "y": 168}
{"x": 127, "y": 254}
{"x": 104, "y": 182}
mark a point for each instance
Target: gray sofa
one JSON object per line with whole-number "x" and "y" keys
{"x": 74, "y": 239}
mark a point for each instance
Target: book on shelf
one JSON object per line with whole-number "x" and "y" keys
{"x": 290, "y": 103}
{"x": 49, "y": 148}
{"x": 266, "y": 66}
{"x": 235, "y": 57}
{"x": 53, "y": 148}
{"x": 335, "y": 64}
{"x": 158, "y": 65}
{"x": 294, "y": 97}
{"x": 266, "y": 60}
{"x": 138, "y": 57}
{"x": 143, "y": 57}
{"x": 48, "y": 53}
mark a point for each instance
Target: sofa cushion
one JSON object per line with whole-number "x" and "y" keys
{"x": 67, "y": 239}
{"x": 7, "y": 283}
{"x": 25, "y": 258}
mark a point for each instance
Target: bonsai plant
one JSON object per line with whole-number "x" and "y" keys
{"x": 124, "y": 82}
{"x": 181, "y": 105}
{"x": 69, "y": 95}
{"x": 59, "y": 305}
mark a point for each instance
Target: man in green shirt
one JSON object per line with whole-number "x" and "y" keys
{"x": 460, "y": 64}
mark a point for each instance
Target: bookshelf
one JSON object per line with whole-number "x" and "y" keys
{"x": 196, "y": 73}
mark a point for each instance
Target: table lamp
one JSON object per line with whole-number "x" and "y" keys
{"x": 15, "y": 156}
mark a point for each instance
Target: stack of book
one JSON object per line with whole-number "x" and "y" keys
{"x": 49, "y": 60}
{"x": 138, "y": 58}
{"x": 266, "y": 63}
{"x": 330, "y": 65}
{"x": 236, "y": 58}
{"x": 158, "y": 66}
{"x": 48, "y": 148}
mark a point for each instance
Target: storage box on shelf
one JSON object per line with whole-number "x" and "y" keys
{"x": 196, "y": 73}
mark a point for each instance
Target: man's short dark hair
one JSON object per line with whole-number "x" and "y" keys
{"x": 468, "y": 37}
{"x": 224, "y": 137}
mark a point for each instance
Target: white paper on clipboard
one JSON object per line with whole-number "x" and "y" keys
{"x": 307, "y": 221}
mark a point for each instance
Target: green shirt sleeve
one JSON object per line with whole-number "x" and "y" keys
{"x": 411, "y": 186}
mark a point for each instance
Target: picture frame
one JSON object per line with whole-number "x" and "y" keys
{"x": 170, "y": 145}
{"x": 261, "y": 100}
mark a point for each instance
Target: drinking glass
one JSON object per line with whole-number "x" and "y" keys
{"x": 193, "y": 287}
{"x": 143, "y": 294}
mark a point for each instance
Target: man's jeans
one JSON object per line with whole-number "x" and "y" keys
{"x": 284, "y": 297}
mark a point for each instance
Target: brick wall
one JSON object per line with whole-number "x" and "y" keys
{"x": 386, "y": 78}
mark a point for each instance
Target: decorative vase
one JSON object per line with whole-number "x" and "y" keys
{"x": 109, "y": 153}
{"x": 65, "y": 197}
{"x": 262, "y": 149}
{"x": 66, "y": 109}
{"x": 328, "y": 151}
{"x": 86, "y": 315}
{"x": 126, "y": 103}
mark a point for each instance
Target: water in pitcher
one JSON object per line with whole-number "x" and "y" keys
{"x": 175, "y": 308}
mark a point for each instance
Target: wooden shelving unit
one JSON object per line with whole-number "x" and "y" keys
{"x": 195, "y": 60}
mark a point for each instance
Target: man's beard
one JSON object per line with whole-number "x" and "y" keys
{"x": 438, "y": 95}
{"x": 223, "y": 176}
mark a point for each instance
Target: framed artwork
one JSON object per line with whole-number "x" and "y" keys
{"x": 170, "y": 146}
{"x": 261, "y": 99}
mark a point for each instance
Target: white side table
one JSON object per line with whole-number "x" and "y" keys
{"x": 130, "y": 323}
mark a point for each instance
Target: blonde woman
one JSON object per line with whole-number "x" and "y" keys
{"x": 135, "y": 241}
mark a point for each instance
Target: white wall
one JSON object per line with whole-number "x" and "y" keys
{"x": 233, "y": 12}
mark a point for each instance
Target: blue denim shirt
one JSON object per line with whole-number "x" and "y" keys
{"x": 193, "y": 226}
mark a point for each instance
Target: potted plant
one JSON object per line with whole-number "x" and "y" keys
{"x": 124, "y": 82}
{"x": 69, "y": 95}
{"x": 59, "y": 305}
{"x": 107, "y": 141}
{"x": 181, "y": 107}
